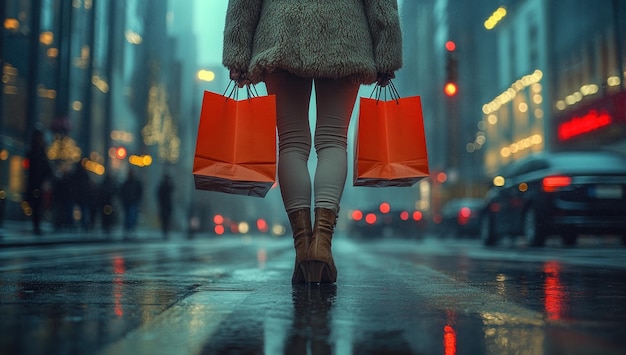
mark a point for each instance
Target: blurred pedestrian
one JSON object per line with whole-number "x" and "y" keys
{"x": 39, "y": 171}
{"x": 63, "y": 198}
{"x": 164, "y": 195}
{"x": 291, "y": 45}
{"x": 130, "y": 194}
{"x": 3, "y": 196}
{"x": 106, "y": 193}
{"x": 85, "y": 195}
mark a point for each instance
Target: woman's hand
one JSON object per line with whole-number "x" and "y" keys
{"x": 382, "y": 79}
{"x": 240, "y": 77}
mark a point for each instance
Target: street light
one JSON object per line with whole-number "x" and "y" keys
{"x": 206, "y": 75}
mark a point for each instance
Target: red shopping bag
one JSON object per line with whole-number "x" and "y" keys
{"x": 390, "y": 145}
{"x": 236, "y": 145}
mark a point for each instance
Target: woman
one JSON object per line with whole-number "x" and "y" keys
{"x": 39, "y": 171}
{"x": 289, "y": 45}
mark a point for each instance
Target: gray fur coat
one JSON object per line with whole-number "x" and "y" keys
{"x": 353, "y": 39}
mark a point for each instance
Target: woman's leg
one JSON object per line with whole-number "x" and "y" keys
{"x": 335, "y": 102}
{"x": 293, "y": 95}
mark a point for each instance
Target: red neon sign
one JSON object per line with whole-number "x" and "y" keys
{"x": 591, "y": 121}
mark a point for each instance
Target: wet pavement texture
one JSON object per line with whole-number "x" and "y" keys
{"x": 233, "y": 296}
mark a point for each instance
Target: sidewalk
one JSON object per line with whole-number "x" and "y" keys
{"x": 19, "y": 233}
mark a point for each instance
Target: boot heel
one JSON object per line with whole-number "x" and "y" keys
{"x": 315, "y": 271}
{"x": 304, "y": 271}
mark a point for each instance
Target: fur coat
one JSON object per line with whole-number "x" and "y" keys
{"x": 353, "y": 39}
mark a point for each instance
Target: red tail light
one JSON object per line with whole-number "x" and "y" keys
{"x": 262, "y": 225}
{"x": 357, "y": 215}
{"x": 464, "y": 215}
{"x": 370, "y": 218}
{"x": 554, "y": 183}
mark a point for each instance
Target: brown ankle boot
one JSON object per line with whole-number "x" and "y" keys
{"x": 300, "y": 221}
{"x": 320, "y": 263}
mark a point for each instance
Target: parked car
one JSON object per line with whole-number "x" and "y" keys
{"x": 566, "y": 194}
{"x": 384, "y": 221}
{"x": 460, "y": 217}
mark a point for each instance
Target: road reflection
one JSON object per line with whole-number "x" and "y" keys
{"x": 118, "y": 284}
{"x": 509, "y": 334}
{"x": 311, "y": 329}
{"x": 449, "y": 334}
{"x": 554, "y": 291}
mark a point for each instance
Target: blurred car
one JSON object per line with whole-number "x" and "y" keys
{"x": 221, "y": 224}
{"x": 461, "y": 217}
{"x": 567, "y": 194}
{"x": 386, "y": 222}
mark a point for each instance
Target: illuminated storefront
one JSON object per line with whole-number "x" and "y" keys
{"x": 514, "y": 122}
{"x": 566, "y": 80}
{"x": 589, "y": 66}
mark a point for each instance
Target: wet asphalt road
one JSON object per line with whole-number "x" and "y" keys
{"x": 233, "y": 295}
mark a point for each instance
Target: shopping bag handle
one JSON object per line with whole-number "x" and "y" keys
{"x": 234, "y": 93}
{"x": 383, "y": 90}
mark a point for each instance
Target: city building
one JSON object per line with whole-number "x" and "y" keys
{"x": 560, "y": 79}
{"x": 530, "y": 76}
{"x": 109, "y": 82}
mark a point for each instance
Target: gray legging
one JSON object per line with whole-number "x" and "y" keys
{"x": 335, "y": 101}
